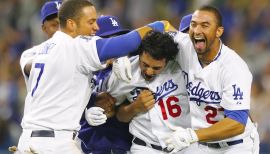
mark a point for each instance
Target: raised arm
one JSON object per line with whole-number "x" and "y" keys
{"x": 122, "y": 45}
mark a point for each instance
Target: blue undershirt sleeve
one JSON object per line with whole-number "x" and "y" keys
{"x": 118, "y": 46}
{"x": 237, "y": 115}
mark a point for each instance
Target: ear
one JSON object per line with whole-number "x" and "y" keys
{"x": 71, "y": 25}
{"x": 219, "y": 31}
{"x": 43, "y": 28}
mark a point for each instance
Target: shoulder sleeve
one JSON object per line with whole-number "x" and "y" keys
{"x": 185, "y": 48}
{"x": 112, "y": 84}
{"x": 27, "y": 56}
{"x": 88, "y": 57}
{"x": 236, "y": 79}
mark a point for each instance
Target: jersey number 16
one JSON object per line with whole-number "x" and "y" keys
{"x": 173, "y": 109}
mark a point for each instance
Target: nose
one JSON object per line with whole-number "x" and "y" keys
{"x": 96, "y": 26}
{"x": 197, "y": 30}
{"x": 149, "y": 72}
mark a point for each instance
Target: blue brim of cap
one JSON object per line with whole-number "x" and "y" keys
{"x": 114, "y": 32}
{"x": 183, "y": 29}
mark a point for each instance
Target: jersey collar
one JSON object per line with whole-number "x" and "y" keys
{"x": 219, "y": 52}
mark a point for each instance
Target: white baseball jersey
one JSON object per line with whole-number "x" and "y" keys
{"x": 171, "y": 102}
{"x": 59, "y": 82}
{"x": 224, "y": 84}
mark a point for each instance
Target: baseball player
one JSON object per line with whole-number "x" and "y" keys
{"x": 156, "y": 94}
{"x": 218, "y": 82}
{"x": 49, "y": 19}
{"x": 59, "y": 79}
{"x": 112, "y": 136}
{"x": 184, "y": 23}
{"x": 50, "y": 24}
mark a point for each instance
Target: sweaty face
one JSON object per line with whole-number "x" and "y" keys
{"x": 203, "y": 31}
{"x": 150, "y": 67}
{"x": 50, "y": 26}
{"x": 87, "y": 24}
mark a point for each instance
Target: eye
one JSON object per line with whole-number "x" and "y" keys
{"x": 145, "y": 65}
{"x": 205, "y": 26}
{"x": 192, "y": 24}
{"x": 156, "y": 68}
{"x": 91, "y": 21}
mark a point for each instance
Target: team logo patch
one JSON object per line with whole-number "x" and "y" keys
{"x": 114, "y": 22}
{"x": 237, "y": 94}
{"x": 57, "y": 5}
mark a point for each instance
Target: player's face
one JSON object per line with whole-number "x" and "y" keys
{"x": 204, "y": 31}
{"x": 151, "y": 67}
{"x": 50, "y": 26}
{"x": 87, "y": 24}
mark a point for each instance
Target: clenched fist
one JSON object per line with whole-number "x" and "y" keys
{"x": 144, "y": 101}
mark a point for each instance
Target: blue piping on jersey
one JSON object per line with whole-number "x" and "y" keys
{"x": 219, "y": 53}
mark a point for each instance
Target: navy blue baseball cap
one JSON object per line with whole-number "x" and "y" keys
{"x": 185, "y": 22}
{"x": 109, "y": 25}
{"x": 49, "y": 8}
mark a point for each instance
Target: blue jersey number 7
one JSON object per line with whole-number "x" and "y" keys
{"x": 41, "y": 67}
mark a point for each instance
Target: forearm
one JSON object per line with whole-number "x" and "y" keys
{"x": 126, "y": 112}
{"x": 122, "y": 45}
{"x": 223, "y": 129}
{"x": 27, "y": 68}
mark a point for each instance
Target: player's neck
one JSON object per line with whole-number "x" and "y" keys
{"x": 68, "y": 32}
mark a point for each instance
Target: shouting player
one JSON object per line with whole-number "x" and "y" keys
{"x": 60, "y": 74}
{"x": 218, "y": 82}
{"x": 156, "y": 94}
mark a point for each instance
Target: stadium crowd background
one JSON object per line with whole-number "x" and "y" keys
{"x": 247, "y": 31}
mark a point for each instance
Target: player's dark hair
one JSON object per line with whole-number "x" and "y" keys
{"x": 71, "y": 9}
{"x": 215, "y": 11}
{"x": 159, "y": 45}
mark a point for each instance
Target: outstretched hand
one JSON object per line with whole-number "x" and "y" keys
{"x": 122, "y": 69}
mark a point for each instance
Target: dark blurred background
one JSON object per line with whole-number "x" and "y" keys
{"x": 247, "y": 31}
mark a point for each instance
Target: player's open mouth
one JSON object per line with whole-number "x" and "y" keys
{"x": 148, "y": 77}
{"x": 200, "y": 43}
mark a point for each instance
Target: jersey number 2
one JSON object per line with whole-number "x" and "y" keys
{"x": 173, "y": 109}
{"x": 41, "y": 67}
{"x": 212, "y": 113}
